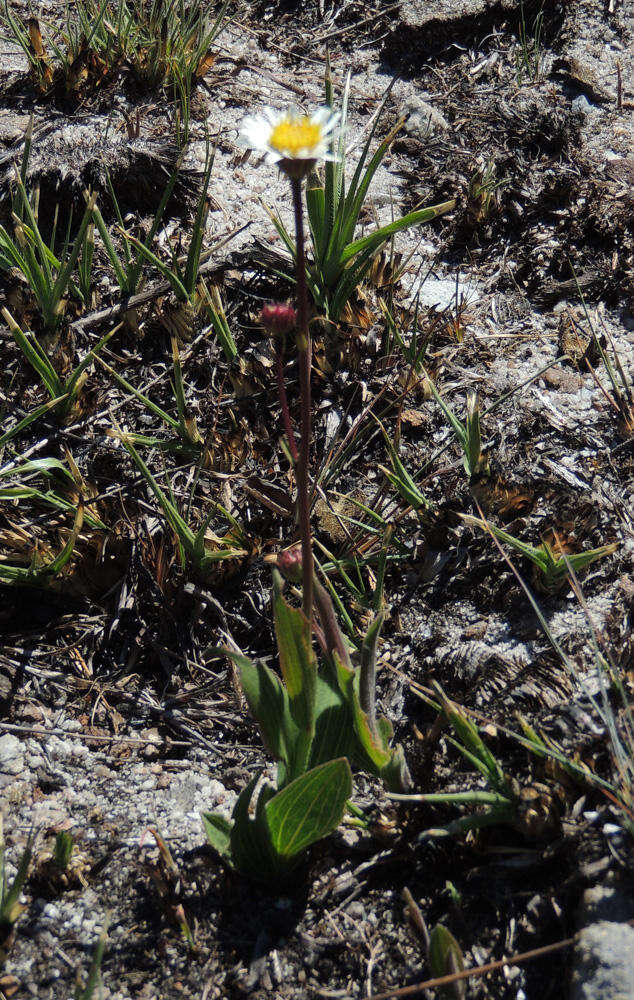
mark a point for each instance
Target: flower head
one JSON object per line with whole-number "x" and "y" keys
{"x": 278, "y": 318}
{"x": 291, "y": 139}
{"x": 288, "y": 561}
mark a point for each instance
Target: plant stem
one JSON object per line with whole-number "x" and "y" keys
{"x": 305, "y": 351}
{"x": 281, "y": 392}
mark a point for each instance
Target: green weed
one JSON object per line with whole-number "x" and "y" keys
{"x": 10, "y": 906}
{"x": 554, "y": 567}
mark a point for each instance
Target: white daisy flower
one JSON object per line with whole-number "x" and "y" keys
{"x": 289, "y": 138}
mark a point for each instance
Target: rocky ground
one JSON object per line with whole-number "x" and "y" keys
{"x": 118, "y": 720}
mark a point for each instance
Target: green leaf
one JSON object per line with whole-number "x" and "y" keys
{"x": 29, "y": 419}
{"x": 299, "y": 668}
{"x": 367, "y": 672}
{"x": 471, "y": 744}
{"x": 555, "y": 568}
{"x": 309, "y": 808}
{"x": 178, "y": 287}
{"x": 66, "y": 270}
{"x": 282, "y": 231}
{"x": 334, "y": 730}
{"x": 36, "y": 357}
{"x": 374, "y": 748}
{"x": 10, "y": 907}
{"x": 401, "y": 479}
{"x": 87, "y": 990}
{"x": 380, "y": 236}
{"x": 74, "y": 381}
{"x": 44, "y": 465}
{"x": 64, "y": 845}
{"x": 251, "y": 848}
{"x": 10, "y": 256}
{"x": 177, "y": 524}
{"x": 269, "y": 705}
{"x": 216, "y": 313}
{"x": 446, "y": 958}
{"x": 193, "y": 256}
{"x": 58, "y": 563}
{"x": 268, "y": 846}
{"x": 153, "y": 407}
{"x": 579, "y": 560}
{"x": 353, "y": 201}
{"x": 536, "y": 554}
{"x": 218, "y": 831}
{"x": 459, "y": 428}
{"x": 395, "y": 775}
{"x": 316, "y": 207}
{"x": 124, "y": 275}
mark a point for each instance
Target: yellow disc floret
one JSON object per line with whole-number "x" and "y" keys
{"x": 296, "y": 136}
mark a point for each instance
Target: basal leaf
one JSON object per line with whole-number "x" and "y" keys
{"x": 309, "y": 808}
{"x": 371, "y": 742}
{"x": 316, "y": 206}
{"x": 445, "y": 959}
{"x": 218, "y": 831}
{"x": 297, "y": 659}
{"x": 269, "y": 705}
{"x": 334, "y": 731}
{"x": 251, "y": 849}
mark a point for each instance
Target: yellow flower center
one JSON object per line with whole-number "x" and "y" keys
{"x": 293, "y": 136}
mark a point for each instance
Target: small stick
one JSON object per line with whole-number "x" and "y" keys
{"x": 480, "y": 970}
{"x": 111, "y": 312}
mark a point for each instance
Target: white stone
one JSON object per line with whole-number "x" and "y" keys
{"x": 11, "y": 754}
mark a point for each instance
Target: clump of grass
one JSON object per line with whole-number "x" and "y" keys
{"x": 199, "y": 549}
{"x": 26, "y": 563}
{"x": 161, "y": 44}
{"x": 529, "y": 53}
{"x": 181, "y": 274}
{"x": 187, "y": 438}
{"x": 482, "y": 200}
{"x": 64, "y": 485}
{"x": 182, "y": 271}
{"x": 619, "y": 393}
{"x": 64, "y": 392}
{"x": 619, "y": 723}
{"x": 497, "y": 804}
{"x": 468, "y": 434}
{"x": 127, "y": 262}
{"x": 553, "y": 564}
{"x": 49, "y": 275}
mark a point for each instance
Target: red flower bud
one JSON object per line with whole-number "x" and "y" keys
{"x": 278, "y": 318}
{"x": 289, "y": 563}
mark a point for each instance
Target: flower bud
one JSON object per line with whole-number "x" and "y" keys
{"x": 289, "y": 563}
{"x": 278, "y": 318}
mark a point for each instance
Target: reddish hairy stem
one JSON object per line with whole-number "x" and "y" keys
{"x": 305, "y": 351}
{"x": 281, "y": 392}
